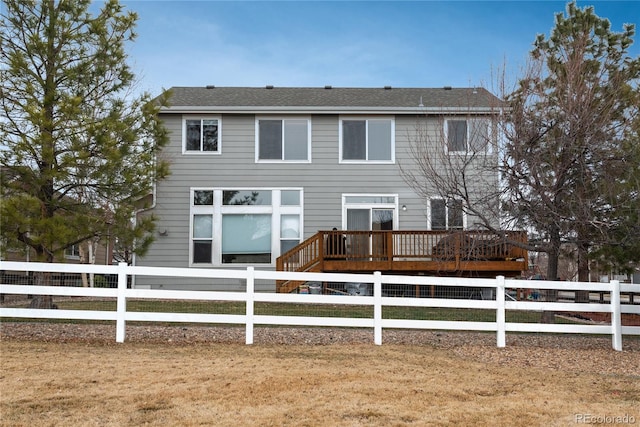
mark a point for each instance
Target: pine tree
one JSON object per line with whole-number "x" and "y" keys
{"x": 570, "y": 133}
{"x": 80, "y": 148}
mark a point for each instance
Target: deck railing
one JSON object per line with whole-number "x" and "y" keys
{"x": 394, "y": 245}
{"x": 447, "y": 252}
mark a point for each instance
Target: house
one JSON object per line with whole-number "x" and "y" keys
{"x": 88, "y": 252}
{"x": 257, "y": 170}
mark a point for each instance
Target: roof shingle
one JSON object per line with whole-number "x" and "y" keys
{"x": 389, "y": 98}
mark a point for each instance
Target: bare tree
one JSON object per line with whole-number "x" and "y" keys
{"x": 562, "y": 143}
{"x": 454, "y": 157}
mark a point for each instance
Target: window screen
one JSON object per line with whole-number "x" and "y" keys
{"x": 354, "y": 144}
{"x": 457, "y": 135}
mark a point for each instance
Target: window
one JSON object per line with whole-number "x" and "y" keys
{"x": 72, "y": 252}
{"x": 201, "y": 135}
{"x": 468, "y": 136}
{"x": 290, "y": 198}
{"x": 246, "y": 197}
{"x": 283, "y": 140}
{"x": 202, "y": 238}
{"x": 457, "y": 135}
{"x": 446, "y": 215}
{"x": 243, "y": 226}
{"x": 246, "y": 238}
{"x": 203, "y": 197}
{"x": 367, "y": 140}
{"x": 289, "y": 232}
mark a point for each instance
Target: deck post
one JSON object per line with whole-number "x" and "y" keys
{"x": 390, "y": 250}
{"x": 321, "y": 251}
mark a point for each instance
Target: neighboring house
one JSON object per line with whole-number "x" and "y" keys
{"x": 255, "y": 171}
{"x": 101, "y": 253}
{"x": 98, "y": 253}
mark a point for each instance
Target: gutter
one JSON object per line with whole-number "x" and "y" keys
{"x": 194, "y": 109}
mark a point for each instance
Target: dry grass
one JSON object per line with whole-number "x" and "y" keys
{"x": 227, "y": 384}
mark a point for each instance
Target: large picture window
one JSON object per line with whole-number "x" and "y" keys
{"x": 370, "y": 140}
{"x": 201, "y": 135}
{"x": 246, "y": 238}
{"x": 244, "y": 226}
{"x": 283, "y": 140}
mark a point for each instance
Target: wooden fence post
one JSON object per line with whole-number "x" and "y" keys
{"x": 121, "y": 307}
{"x": 616, "y": 316}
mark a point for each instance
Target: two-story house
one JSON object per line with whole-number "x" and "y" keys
{"x": 257, "y": 170}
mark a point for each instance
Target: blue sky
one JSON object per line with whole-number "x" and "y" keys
{"x": 343, "y": 43}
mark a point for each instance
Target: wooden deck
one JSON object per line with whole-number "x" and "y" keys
{"x": 438, "y": 253}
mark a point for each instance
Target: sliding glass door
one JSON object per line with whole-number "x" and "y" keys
{"x": 368, "y": 213}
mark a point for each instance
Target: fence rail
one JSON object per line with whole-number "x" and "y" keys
{"x": 500, "y": 303}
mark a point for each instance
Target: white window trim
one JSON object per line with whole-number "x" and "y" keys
{"x": 184, "y": 135}
{"x": 282, "y": 118}
{"x": 446, "y": 218}
{"x": 489, "y": 147}
{"x": 218, "y": 210}
{"x": 446, "y": 135}
{"x": 367, "y": 119}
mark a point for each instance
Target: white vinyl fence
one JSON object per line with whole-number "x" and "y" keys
{"x": 496, "y": 287}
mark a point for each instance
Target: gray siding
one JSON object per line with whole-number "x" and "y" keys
{"x": 324, "y": 181}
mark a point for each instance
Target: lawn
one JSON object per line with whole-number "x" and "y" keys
{"x": 102, "y": 384}
{"x": 292, "y": 309}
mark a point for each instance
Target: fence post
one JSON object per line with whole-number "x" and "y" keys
{"x": 121, "y": 307}
{"x": 377, "y": 308}
{"x": 616, "y": 316}
{"x": 500, "y": 312}
{"x": 250, "y": 301}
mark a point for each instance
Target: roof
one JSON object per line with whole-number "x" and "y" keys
{"x": 329, "y": 99}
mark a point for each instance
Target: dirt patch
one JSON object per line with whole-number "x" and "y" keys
{"x": 98, "y": 383}
{"x": 75, "y": 374}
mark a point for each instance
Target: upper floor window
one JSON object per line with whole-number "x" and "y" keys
{"x": 456, "y": 135}
{"x": 446, "y": 214}
{"x": 201, "y": 135}
{"x": 283, "y": 140}
{"x": 369, "y": 140}
{"x": 468, "y": 136}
